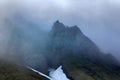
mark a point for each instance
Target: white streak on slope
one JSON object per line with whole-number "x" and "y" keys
{"x": 40, "y": 73}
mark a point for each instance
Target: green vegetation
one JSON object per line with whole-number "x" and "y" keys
{"x": 11, "y": 71}
{"x": 88, "y": 70}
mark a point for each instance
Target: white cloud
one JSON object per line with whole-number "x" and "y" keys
{"x": 98, "y": 19}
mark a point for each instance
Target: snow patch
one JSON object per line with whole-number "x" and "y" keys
{"x": 57, "y": 74}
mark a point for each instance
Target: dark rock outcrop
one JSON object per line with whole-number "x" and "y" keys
{"x": 65, "y": 41}
{"x": 69, "y": 47}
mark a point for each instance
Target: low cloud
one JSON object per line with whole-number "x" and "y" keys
{"x": 98, "y": 19}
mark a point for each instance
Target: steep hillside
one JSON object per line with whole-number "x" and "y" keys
{"x": 65, "y": 41}
{"x": 83, "y": 69}
{"x": 80, "y": 57}
{"x": 11, "y": 71}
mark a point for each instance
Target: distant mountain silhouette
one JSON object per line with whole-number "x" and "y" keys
{"x": 69, "y": 47}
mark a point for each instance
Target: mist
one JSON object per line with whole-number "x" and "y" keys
{"x": 98, "y": 19}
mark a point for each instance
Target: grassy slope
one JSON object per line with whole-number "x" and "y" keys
{"x": 87, "y": 70}
{"x": 14, "y": 72}
{"x": 91, "y": 73}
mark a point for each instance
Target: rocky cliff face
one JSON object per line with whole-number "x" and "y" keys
{"x": 65, "y": 41}
{"x": 80, "y": 57}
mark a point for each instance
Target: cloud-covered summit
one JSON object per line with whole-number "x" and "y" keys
{"x": 98, "y": 19}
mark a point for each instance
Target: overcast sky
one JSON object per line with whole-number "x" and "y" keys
{"x": 98, "y": 19}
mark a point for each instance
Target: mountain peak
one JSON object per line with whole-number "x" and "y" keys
{"x": 58, "y": 25}
{"x": 57, "y": 21}
{"x": 75, "y": 29}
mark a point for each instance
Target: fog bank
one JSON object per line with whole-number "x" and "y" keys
{"x": 98, "y": 19}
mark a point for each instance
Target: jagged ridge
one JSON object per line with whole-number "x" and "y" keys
{"x": 71, "y": 48}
